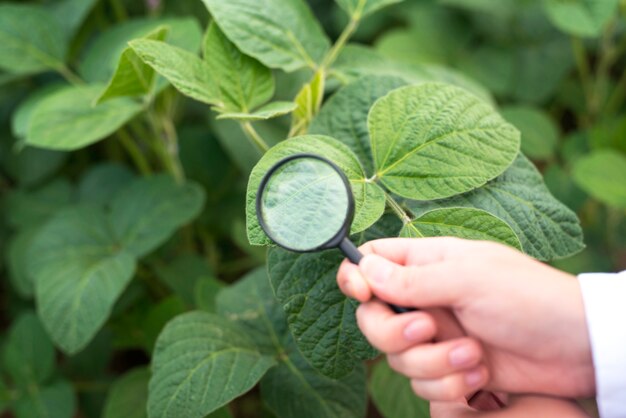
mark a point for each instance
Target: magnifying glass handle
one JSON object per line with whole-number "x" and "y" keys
{"x": 353, "y": 254}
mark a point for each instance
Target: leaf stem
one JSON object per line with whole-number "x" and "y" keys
{"x": 254, "y": 137}
{"x": 397, "y": 209}
{"x": 135, "y": 153}
{"x": 347, "y": 33}
{"x": 69, "y": 75}
{"x": 583, "y": 68}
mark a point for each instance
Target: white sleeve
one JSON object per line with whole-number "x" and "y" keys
{"x": 604, "y": 297}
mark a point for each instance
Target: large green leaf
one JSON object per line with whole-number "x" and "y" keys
{"x": 185, "y": 70}
{"x": 463, "y": 223}
{"x": 56, "y": 400}
{"x": 546, "y": 228}
{"x": 148, "y": 211}
{"x": 79, "y": 270}
{"x": 20, "y": 119}
{"x": 31, "y": 40}
{"x": 539, "y": 132}
{"x": 101, "y": 58}
{"x": 28, "y": 356}
{"x": 393, "y": 396}
{"x": 201, "y": 362}
{"x": 359, "y": 8}
{"x": 369, "y": 198}
{"x": 293, "y": 388}
{"x": 132, "y": 77}
{"x": 68, "y": 119}
{"x": 344, "y": 115}
{"x": 602, "y": 174}
{"x": 269, "y": 111}
{"x": 581, "y": 17}
{"x": 320, "y": 317}
{"x": 435, "y": 140}
{"x": 128, "y": 397}
{"x": 280, "y": 33}
{"x": 244, "y": 83}
{"x": 102, "y": 182}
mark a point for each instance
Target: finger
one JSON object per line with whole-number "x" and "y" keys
{"x": 431, "y": 361}
{"x": 414, "y": 251}
{"x": 352, "y": 283}
{"x": 454, "y": 409}
{"x": 453, "y": 386}
{"x": 392, "y": 333}
{"x": 430, "y": 285}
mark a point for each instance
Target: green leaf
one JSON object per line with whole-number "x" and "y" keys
{"x": 602, "y": 174}
{"x": 393, "y": 396}
{"x": 101, "y": 58}
{"x": 279, "y": 33}
{"x": 31, "y": 40}
{"x": 344, "y": 115}
{"x": 79, "y": 270}
{"x": 185, "y": 274}
{"x": 205, "y": 294}
{"x": 462, "y": 223}
{"x": 295, "y": 389}
{"x": 71, "y": 13}
{"x": 128, "y": 396}
{"x": 30, "y": 166}
{"x": 361, "y": 8}
{"x": 27, "y": 209}
{"x": 28, "y": 356}
{"x": 54, "y": 401}
{"x": 435, "y": 140}
{"x": 244, "y": 83}
{"x": 147, "y": 212}
{"x": 20, "y": 119}
{"x": 369, "y": 198}
{"x": 68, "y": 120}
{"x": 308, "y": 103}
{"x": 546, "y": 228}
{"x": 269, "y": 111}
{"x": 18, "y": 262}
{"x": 581, "y": 17}
{"x": 132, "y": 77}
{"x": 102, "y": 182}
{"x": 186, "y": 71}
{"x": 200, "y": 363}
{"x": 320, "y": 317}
{"x": 539, "y": 132}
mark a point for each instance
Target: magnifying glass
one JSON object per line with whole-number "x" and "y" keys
{"x": 305, "y": 204}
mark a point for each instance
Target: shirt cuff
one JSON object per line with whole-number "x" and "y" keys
{"x": 604, "y": 298}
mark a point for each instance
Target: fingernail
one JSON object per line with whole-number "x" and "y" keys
{"x": 376, "y": 268}
{"x": 475, "y": 377}
{"x": 462, "y": 355}
{"x": 416, "y": 330}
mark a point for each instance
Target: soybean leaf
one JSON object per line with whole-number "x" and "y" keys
{"x": 539, "y": 132}
{"x": 128, "y": 396}
{"x": 71, "y": 13}
{"x": 320, "y": 317}
{"x": 29, "y": 208}
{"x": 30, "y": 166}
{"x": 243, "y": 82}
{"x": 581, "y": 17}
{"x": 602, "y": 174}
{"x": 132, "y": 77}
{"x": 79, "y": 270}
{"x": 393, "y": 396}
{"x": 18, "y": 262}
{"x": 463, "y": 223}
{"x": 68, "y": 120}
{"x": 28, "y": 356}
{"x": 293, "y": 387}
{"x": 269, "y": 111}
{"x": 56, "y": 400}
{"x": 102, "y": 182}
{"x": 297, "y": 390}
{"x": 369, "y": 198}
{"x": 546, "y": 228}
{"x": 22, "y": 115}
{"x": 184, "y": 275}
{"x": 200, "y": 363}
{"x": 308, "y": 103}
{"x": 279, "y": 33}
{"x": 435, "y": 140}
{"x": 31, "y": 40}
{"x": 100, "y": 60}
{"x": 186, "y": 71}
{"x": 149, "y": 210}
{"x": 360, "y": 8}
{"x": 344, "y": 115}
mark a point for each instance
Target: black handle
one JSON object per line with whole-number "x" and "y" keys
{"x": 355, "y": 256}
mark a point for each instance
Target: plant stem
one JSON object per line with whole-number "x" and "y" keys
{"x": 617, "y": 98}
{"x": 583, "y": 68}
{"x": 341, "y": 42}
{"x": 69, "y": 75}
{"x": 135, "y": 153}
{"x": 398, "y": 210}
{"x": 119, "y": 10}
{"x": 254, "y": 137}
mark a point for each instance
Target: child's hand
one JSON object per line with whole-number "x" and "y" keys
{"x": 522, "y": 407}
{"x": 524, "y": 321}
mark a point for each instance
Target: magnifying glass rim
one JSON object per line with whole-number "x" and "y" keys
{"x": 341, "y": 233}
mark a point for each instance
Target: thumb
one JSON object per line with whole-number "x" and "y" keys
{"x": 428, "y": 285}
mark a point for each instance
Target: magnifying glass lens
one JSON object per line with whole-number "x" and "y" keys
{"x": 304, "y": 204}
